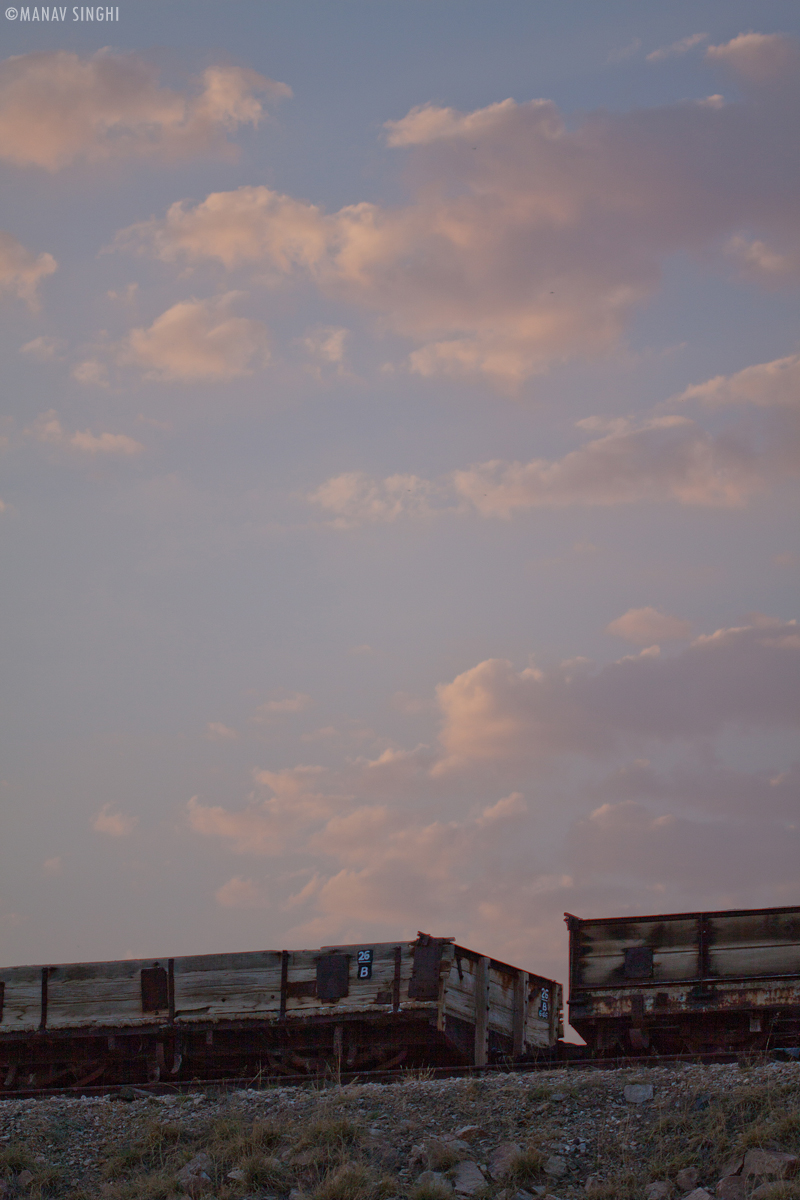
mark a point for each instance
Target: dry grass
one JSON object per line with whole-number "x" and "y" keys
{"x": 330, "y": 1145}
{"x": 526, "y": 1168}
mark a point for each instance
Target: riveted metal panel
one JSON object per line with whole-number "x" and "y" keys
{"x": 155, "y": 989}
{"x": 424, "y": 982}
{"x": 333, "y": 977}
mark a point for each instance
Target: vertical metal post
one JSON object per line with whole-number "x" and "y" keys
{"x": 702, "y": 945}
{"x": 481, "y": 1012}
{"x": 284, "y": 982}
{"x": 171, "y": 989}
{"x": 521, "y": 987}
{"x": 43, "y": 1011}
{"x": 398, "y": 964}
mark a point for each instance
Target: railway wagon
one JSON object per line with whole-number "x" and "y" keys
{"x": 273, "y": 1013}
{"x": 686, "y": 982}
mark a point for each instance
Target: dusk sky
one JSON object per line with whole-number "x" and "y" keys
{"x": 400, "y": 438}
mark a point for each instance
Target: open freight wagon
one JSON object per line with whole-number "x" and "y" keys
{"x": 686, "y": 982}
{"x": 270, "y": 1013}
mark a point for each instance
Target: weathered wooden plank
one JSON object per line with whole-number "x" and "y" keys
{"x": 481, "y": 1012}
{"x": 521, "y": 987}
{"x": 22, "y": 998}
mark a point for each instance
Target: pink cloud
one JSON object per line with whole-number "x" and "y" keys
{"x": 644, "y": 626}
{"x": 57, "y": 108}
{"x": 743, "y": 677}
{"x": 529, "y": 241}
{"x": 21, "y": 271}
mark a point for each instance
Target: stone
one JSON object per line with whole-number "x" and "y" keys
{"x": 556, "y": 1166}
{"x": 236, "y": 1175}
{"x": 732, "y": 1167}
{"x": 434, "y": 1179}
{"x": 468, "y": 1133}
{"x": 593, "y": 1184}
{"x": 776, "y": 1163}
{"x": 698, "y": 1194}
{"x": 659, "y": 1189}
{"x": 769, "y": 1191}
{"x": 638, "y": 1093}
{"x": 440, "y": 1154}
{"x": 25, "y": 1179}
{"x": 731, "y": 1188}
{"x": 468, "y": 1178}
{"x": 687, "y": 1179}
{"x": 502, "y": 1159}
{"x": 194, "y": 1178}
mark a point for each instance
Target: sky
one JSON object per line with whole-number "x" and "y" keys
{"x": 399, "y": 439}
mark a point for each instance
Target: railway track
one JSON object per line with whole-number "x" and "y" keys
{"x": 266, "y": 1082}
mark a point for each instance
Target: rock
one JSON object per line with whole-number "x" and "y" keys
{"x": 25, "y": 1179}
{"x": 660, "y": 1189}
{"x": 468, "y": 1178}
{"x": 732, "y": 1167}
{"x": 194, "y": 1177}
{"x": 236, "y": 1175}
{"x": 731, "y": 1188}
{"x": 503, "y": 1158}
{"x": 776, "y": 1163}
{"x": 440, "y": 1154}
{"x": 687, "y": 1179}
{"x": 556, "y": 1166}
{"x": 558, "y": 1097}
{"x": 468, "y": 1133}
{"x": 434, "y": 1179}
{"x": 698, "y": 1194}
{"x": 638, "y": 1093}
{"x": 769, "y": 1191}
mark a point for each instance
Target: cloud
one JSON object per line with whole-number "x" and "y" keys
{"x": 57, "y": 108}
{"x": 115, "y": 824}
{"x": 296, "y": 702}
{"x": 21, "y": 272}
{"x": 759, "y": 58}
{"x": 48, "y": 428}
{"x": 196, "y": 341}
{"x": 658, "y": 460}
{"x": 327, "y": 344}
{"x": 91, "y": 372}
{"x": 354, "y": 498}
{"x": 216, "y": 732}
{"x": 679, "y": 47}
{"x": 744, "y": 677}
{"x": 644, "y": 626}
{"x": 52, "y": 866}
{"x": 661, "y": 459}
{"x": 618, "y": 56}
{"x": 528, "y": 241}
{"x": 765, "y": 264}
{"x": 240, "y": 893}
{"x": 767, "y": 385}
{"x": 492, "y": 836}
{"x": 44, "y": 348}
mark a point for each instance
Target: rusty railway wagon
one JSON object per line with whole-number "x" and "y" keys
{"x": 686, "y": 982}
{"x": 270, "y": 1013}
